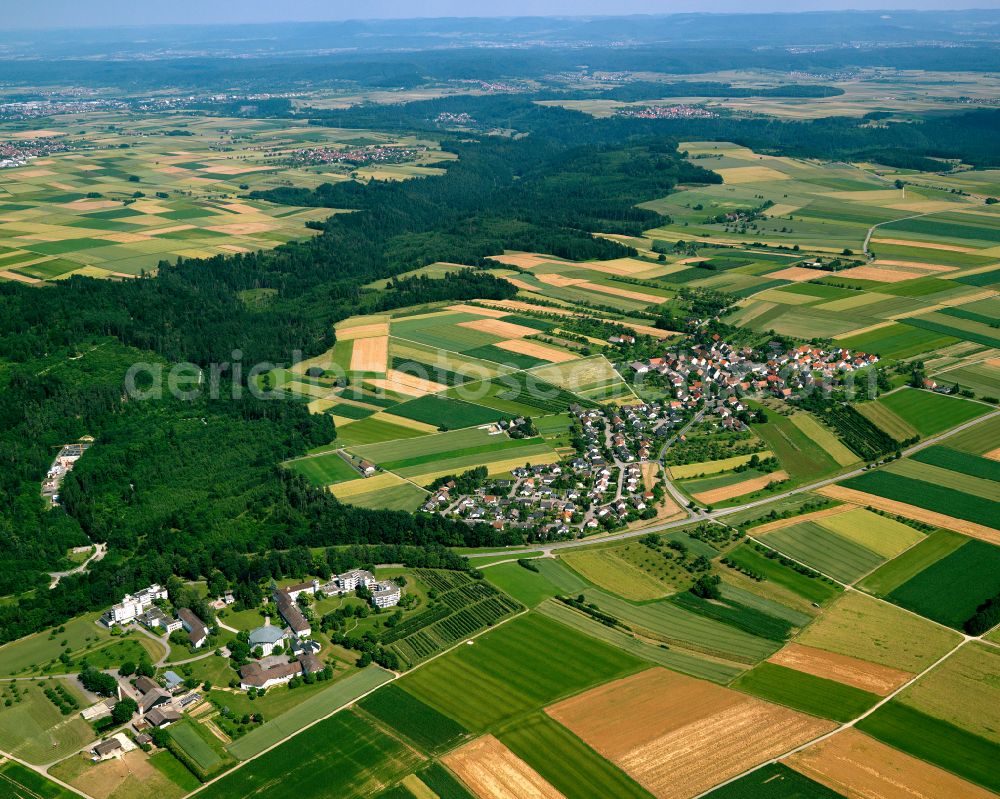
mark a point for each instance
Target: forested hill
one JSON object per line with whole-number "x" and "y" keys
{"x": 190, "y": 486}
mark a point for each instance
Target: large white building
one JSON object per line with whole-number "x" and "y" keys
{"x": 133, "y": 606}
{"x": 386, "y": 594}
{"x": 350, "y": 581}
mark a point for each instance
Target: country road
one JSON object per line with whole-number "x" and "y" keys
{"x": 100, "y": 550}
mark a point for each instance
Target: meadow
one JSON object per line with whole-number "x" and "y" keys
{"x": 809, "y": 588}
{"x": 33, "y": 728}
{"x": 20, "y": 782}
{"x": 939, "y": 544}
{"x": 323, "y": 470}
{"x": 865, "y": 628}
{"x": 509, "y": 670}
{"x": 829, "y": 553}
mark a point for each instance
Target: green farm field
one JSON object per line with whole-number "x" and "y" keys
{"x": 323, "y": 470}
{"x": 513, "y": 672}
{"x": 428, "y": 728}
{"x": 961, "y": 462}
{"x": 34, "y": 729}
{"x": 952, "y": 748}
{"x": 774, "y": 781}
{"x": 566, "y": 762}
{"x": 344, "y": 756}
{"x": 686, "y": 662}
{"x": 20, "y": 782}
{"x": 909, "y": 564}
{"x": 812, "y": 589}
{"x": 929, "y": 413}
{"x": 824, "y": 550}
{"x": 800, "y": 691}
{"x": 195, "y": 744}
{"x": 896, "y": 341}
{"x": 950, "y": 589}
{"x": 27, "y": 655}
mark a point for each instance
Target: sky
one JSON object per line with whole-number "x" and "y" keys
{"x": 105, "y": 13}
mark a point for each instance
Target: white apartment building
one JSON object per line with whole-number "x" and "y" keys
{"x": 133, "y": 606}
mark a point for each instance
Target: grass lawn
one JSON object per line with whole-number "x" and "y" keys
{"x": 27, "y": 654}
{"x": 323, "y": 470}
{"x": 35, "y": 730}
{"x": 322, "y": 702}
{"x": 527, "y": 587}
{"x": 345, "y": 756}
{"x": 566, "y": 762}
{"x": 815, "y": 695}
{"x": 20, "y": 782}
{"x": 510, "y": 670}
{"x": 931, "y": 413}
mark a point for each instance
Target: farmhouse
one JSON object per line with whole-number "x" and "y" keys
{"x": 195, "y": 627}
{"x": 163, "y": 716}
{"x": 133, "y": 606}
{"x": 108, "y": 749}
{"x": 152, "y": 698}
{"x": 267, "y": 638}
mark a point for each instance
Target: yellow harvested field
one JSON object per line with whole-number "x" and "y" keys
{"x": 621, "y": 266}
{"x": 796, "y": 274}
{"x": 492, "y": 771}
{"x": 614, "y": 291}
{"x": 520, "y": 284}
{"x": 404, "y": 383}
{"x": 924, "y": 245}
{"x": 373, "y": 330}
{"x": 645, "y": 330}
{"x": 8, "y": 275}
{"x": 877, "y": 275}
{"x": 678, "y": 736}
{"x": 370, "y": 354}
{"x": 713, "y": 467}
{"x": 917, "y": 266}
{"x": 497, "y": 327}
{"x": 993, "y": 454}
{"x": 863, "y": 674}
{"x": 970, "y": 529}
{"x": 402, "y": 421}
{"x": 495, "y": 313}
{"x": 739, "y": 489}
{"x": 243, "y": 228}
{"x": 517, "y": 305}
{"x": 805, "y": 517}
{"x": 364, "y": 485}
{"x": 526, "y": 260}
{"x": 855, "y": 765}
{"x": 535, "y": 350}
{"x": 750, "y": 174}
{"x": 320, "y": 405}
{"x": 555, "y": 279}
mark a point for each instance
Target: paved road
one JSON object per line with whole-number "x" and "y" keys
{"x": 100, "y": 550}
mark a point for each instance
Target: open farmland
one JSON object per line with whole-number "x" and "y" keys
{"x": 19, "y": 782}
{"x": 824, "y": 550}
{"x": 864, "y": 628}
{"x": 809, "y": 693}
{"x": 429, "y": 729}
{"x": 512, "y": 671}
{"x": 747, "y": 558}
{"x": 344, "y": 755}
{"x": 854, "y": 764}
{"x": 133, "y": 192}
{"x": 899, "y": 570}
{"x": 952, "y": 748}
{"x": 492, "y": 771}
{"x": 774, "y": 781}
{"x": 657, "y": 726}
{"x": 861, "y": 674}
{"x": 568, "y": 764}
{"x": 323, "y": 470}
{"x": 950, "y": 589}
{"x": 32, "y": 726}
{"x": 929, "y": 413}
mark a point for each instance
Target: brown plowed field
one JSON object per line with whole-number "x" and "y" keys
{"x": 678, "y": 736}
{"x": 860, "y": 767}
{"x": 867, "y": 676}
{"x": 492, "y": 771}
